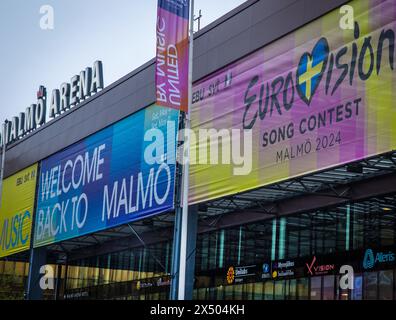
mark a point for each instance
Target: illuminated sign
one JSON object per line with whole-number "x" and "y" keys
{"x": 76, "y": 295}
{"x": 239, "y": 274}
{"x": 266, "y": 271}
{"x": 149, "y": 283}
{"x": 230, "y": 275}
{"x": 371, "y": 258}
{"x": 282, "y": 269}
{"x": 315, "y": 269}
{"x": 81, "y": 87}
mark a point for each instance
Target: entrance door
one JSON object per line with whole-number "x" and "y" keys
{"x": 316, "y": 288}
{"x": 385, "y": 285}
{"x": 328, "y": 287}
{"x": 370, "y": 288}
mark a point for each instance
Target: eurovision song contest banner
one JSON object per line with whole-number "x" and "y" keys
{"x": 171, "y": 74}
{"x": 106, "y": 179}
{"x": 16, "y": 212}
{"x": 319, "y": 97}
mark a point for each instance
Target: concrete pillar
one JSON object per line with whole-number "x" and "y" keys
{"x": 38, "y": 258}
{"x": 191, "y": 248}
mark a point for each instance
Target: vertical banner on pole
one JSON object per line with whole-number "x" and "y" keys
{"x": 173, "y": 88}
{"x": 171, "y": 74}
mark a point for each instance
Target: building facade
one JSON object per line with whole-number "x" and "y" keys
{"x": 287, "y": 229}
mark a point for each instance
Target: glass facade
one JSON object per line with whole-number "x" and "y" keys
{"x": 141, "y": 273}
{"x": 338, "y": 235}
{"x": 296, "y": 257}
{"x": 13, "y": 279}
{"x": 324, "y": 234}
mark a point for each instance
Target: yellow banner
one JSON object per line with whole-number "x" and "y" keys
{"x": 16, "y": 211}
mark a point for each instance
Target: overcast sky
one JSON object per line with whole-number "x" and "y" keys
{"x": 121, "y": 33}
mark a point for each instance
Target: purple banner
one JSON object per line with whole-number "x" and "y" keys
{"x": 171, "y": 74}
{"x": 319, "y": 97}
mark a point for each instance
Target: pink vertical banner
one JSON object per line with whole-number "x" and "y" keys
{"x": 171, "y": 76}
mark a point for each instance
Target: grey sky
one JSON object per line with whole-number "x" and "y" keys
{"x": 121, "y": 33}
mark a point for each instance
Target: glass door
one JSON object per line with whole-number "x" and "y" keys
{"x": 269, "y": 290}
{"x": 302, "y": 289}
{"x": 316, "y": 288}
{"x": 328, "y": 287}
{"x": 280, "y": 289}
{"x": 370, "y": 288}
{"x": 385, "y": 285}
{"x": 258, "y": 291}
{"x": 357, "y": 292}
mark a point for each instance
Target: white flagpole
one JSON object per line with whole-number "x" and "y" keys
{"x": 186, "y": 166}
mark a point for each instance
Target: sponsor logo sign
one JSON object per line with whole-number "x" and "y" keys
{"x": 239, "y": 274}
{"x": 373, "y": 258}
{"x": 282, "y": 269}
{"x": 316, "y": 268}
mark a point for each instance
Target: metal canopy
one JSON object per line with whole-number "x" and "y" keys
{"x": 255, "y": 205}
{"x": 310, "y": 184}
{"x": 117, "y": 234}
{"x": 258, "y": 202}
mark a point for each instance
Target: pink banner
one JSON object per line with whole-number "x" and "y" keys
{"x": 320, "y": 97}
{"x": 172, "y": 54}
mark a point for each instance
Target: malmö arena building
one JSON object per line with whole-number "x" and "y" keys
{"x": 312, "y": 199}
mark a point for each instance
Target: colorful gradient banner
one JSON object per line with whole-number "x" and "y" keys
{"x": 319, "y": 97}
{"x": 171, "y": 74}
{"x": 105, "y": 180}
{"x": 16, "y": 211}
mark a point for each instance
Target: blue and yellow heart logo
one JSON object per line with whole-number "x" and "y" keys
{"x": 310, "y": 70}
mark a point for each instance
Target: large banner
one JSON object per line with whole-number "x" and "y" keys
{"x": 319, "y": 97}
{"x": 120, "y": 174}
{"x": 172, "y": 54}
{"x": 16, "y": 212}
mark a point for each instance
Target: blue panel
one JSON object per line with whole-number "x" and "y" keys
{"x": 105, "y": 180}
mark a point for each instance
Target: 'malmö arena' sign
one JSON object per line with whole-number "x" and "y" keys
{"x": 81, "y": 86}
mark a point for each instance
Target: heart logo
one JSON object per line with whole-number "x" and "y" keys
{"x": 310, "y": 70}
